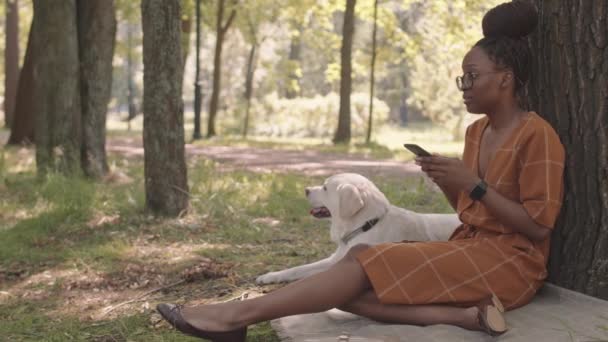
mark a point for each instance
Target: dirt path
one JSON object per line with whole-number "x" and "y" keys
{"x": 257, "y": 159}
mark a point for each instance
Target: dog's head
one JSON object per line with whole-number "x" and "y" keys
{"x": 345, "y": 196}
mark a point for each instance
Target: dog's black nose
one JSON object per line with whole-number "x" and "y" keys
{"x": 306, "y": 191}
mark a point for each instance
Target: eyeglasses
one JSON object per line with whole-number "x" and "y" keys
{"x": 465, "y": 82}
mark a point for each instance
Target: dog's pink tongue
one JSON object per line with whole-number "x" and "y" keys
{"x": 320, "y": 212}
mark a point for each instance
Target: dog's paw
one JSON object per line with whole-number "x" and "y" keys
{"x": 270, "y": 278}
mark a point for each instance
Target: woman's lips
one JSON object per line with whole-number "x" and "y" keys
{"x": 467, "y": 100}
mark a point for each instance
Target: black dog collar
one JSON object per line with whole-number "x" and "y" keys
{"x": 365, "y": 227}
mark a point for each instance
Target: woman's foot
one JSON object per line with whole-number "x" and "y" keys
{"x": 486, "y": 316}
{"x": 174, "y": 315}
{"x": 213, "y": 317}
{"x": 490, "y": 316}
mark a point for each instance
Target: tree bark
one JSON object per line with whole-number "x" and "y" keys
{"x": 570, "y": 49}
{"x": 56, "y": 84}
{"x": 96, "y": 38}
{"x": 343, "y": 132}
{"x": 164, "y": 159}
{"x": 217, "y": 65}
{"x": 11, "y": 60}
{"x": 22, "y": 128}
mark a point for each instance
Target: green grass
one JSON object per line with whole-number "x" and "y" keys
{"x": 75, "y": 229}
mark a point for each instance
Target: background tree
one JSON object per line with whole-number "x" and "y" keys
{"x": 250, "y": 24}
{"x": 11, "y": 59}
{"x": 372, "y": 70}
{"x": 220, "y": 28}
{"x": 198, "y": 92}
{"x": 343, "y": 131}
{"x": 96, "y": 38}
{"x": 22, "y": 128}
{"x": 164, "y": 159}
{"x": 187, "y": 14}
{"x": 311, "y": 36}
{"x": 126, "y": 85}
{"x": 568, "y": 88}
{"x": 56, "y": 85}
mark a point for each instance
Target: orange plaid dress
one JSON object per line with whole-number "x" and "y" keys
{"x": 482, "y": 256}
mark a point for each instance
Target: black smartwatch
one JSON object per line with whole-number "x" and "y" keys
{"x": 479, "y": 190}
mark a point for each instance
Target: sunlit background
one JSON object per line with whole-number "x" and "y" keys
{"x": 420, "y": 45}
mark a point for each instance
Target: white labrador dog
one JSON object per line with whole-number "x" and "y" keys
{"x": 360, "y": 213}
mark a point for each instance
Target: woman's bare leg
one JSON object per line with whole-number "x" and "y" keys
{"x": 369, "y": 306}
{"x": 340, "y": 284}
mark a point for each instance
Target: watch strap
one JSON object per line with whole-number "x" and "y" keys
{"x": 479, "y": 190}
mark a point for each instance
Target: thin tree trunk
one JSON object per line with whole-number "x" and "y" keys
{"x": 56, "y": 83}
{"x": 11, "y": 60}
{"x": 372, "y": 76}
{"x": 22, "y": 129}
{"x": 343, "y": 131}
{"x": 217, "y": 65}
{"x": 198, "y": 94}
{"x": 131, "y": 95}
{"x": 249, "y": 86}
{"x": 570, "y": 49}
{"x": 293, "y": 79}
{"x": 97, "y": 34}
{"x": 186, "y": 30}
{"x": 164, "y": 159}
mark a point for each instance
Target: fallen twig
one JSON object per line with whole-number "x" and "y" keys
{"x": 140, "y": 297}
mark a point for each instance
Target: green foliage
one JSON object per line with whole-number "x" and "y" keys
{"x": 188, "y": 9}
{"x": 445, "y": 31}
{"x": 252, "y": 16}
{"x": 312, "y": 117}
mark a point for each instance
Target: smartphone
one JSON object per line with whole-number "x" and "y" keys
{"x": 417, "y": 150}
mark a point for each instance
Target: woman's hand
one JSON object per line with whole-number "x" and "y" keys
{"x": 448, "y": 172}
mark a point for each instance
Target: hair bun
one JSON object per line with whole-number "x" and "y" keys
{"x": 515, "y": 19}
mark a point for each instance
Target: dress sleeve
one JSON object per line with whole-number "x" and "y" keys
{"x": 541, "y": 183}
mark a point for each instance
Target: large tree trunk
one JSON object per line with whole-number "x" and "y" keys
{"x": 164, "y": 160}
{"x": 570, "y": 90}
{"x": 96, "y": 38}
{"x": 11, "y": 60}
{"x": 22, "y": 128}
{"x": 343, "y": 131}
{"x": 56, "y": 84}
{"x": 217, "y": 65}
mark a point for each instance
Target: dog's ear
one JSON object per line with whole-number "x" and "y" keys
{"x": 350, "y": 200}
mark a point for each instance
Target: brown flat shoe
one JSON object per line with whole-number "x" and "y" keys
{"x": 490, "y": 316}
{"x": 172, "y": 314}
